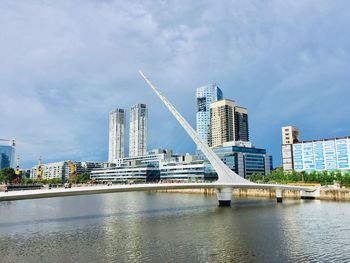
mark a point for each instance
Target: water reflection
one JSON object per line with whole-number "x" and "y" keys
{"x": 167, "y": 227}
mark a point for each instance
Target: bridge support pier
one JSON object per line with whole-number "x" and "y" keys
{"x": 310, "y": 194}
{"x": 224, "y": 196}
{"x": 279, "y": 195}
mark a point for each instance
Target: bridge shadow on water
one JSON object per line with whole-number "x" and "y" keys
{"x": 236, "y": 205}
{"x": 117, "y": 215}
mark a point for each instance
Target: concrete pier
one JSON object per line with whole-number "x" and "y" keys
{"x": 310, "y": 194}
{"x": 224, "y": 196}
{"x": 279, "y": 195}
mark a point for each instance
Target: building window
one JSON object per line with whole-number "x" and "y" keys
{"x": 201, "y": 104}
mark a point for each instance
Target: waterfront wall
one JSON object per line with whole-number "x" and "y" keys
{"x": 325, "y": 194}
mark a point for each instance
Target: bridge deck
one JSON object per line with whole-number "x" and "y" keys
{"x": 88, "y": 190}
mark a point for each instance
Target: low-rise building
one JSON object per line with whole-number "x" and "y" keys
{"x": 159, "y": 164}
{"x": 138, "y": 173}
{"x": 182, "y": 171}
{"x": 242, "y": 158}
{"x": 62, "y": 170}
{"x": 322, "y": 155}
{"x": 314, "y": 155}
{"x": 57, "y": 170}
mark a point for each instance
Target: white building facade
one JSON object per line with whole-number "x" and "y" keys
{"x": 159, "y": 164}
{"x": 138, "y": 130}
{"x": 116, "y": 134}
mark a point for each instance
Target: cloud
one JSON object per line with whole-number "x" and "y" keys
{"x": 66, "y": 64}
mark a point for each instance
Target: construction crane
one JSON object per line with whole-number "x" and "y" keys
{"x": 72, "y": 170}
{"x": 17, "y": 172}
{"x": 39, "y": 172}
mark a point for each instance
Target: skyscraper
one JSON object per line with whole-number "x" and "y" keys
{"x": 228, "y": 122}
{"x": 116, "y": 134}
{"x": 241, "y": 124}
{"x": 138, "y": 130}
{"x": 7, "y": 153}
{"x": 205, "y": 96}
{"x": 222, "y": 122}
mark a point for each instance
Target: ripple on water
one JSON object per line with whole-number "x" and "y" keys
{"x": 146, "y": 227}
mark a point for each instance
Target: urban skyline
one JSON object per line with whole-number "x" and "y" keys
{"x": 278, "y": 78}
{"x": 164, "y": 131}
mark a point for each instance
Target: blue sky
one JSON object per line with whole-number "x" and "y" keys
{"x": 66, "y": 64}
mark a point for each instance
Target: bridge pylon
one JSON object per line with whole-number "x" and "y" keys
{"x": 225, "y": 174}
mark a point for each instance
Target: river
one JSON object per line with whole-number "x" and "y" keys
{"x": 173, "y": 227}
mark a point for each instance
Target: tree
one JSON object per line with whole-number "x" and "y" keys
{"x": 83, "y": 178}
{"x": 7, "y": 175}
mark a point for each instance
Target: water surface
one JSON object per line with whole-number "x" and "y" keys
{"x": 168, "y": 227}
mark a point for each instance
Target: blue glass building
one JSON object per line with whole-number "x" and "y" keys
{"x": 243, "y": 160}
{"x": 205, "y": 96}
{"x": 7, "y": 153}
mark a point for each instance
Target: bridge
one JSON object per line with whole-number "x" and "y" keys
{"x": 102, "y": 189}
{"x": 227, "y": 179}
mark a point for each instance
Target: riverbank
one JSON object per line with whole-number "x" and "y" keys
{"x": 325, "y": 194}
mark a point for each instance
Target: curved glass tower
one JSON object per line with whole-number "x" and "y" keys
{"x": 205, "y": 96}
{"x": 7, "y": 153}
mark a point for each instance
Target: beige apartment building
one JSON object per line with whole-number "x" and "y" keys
{"x": 222, "y": 122}
{"x": 290, "y": 135}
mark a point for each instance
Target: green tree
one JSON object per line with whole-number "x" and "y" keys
{"x": 83, "y": 178}
{"x": 7, "y": 175}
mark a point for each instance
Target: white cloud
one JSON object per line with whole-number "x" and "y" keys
{"x": 66, "y": 64}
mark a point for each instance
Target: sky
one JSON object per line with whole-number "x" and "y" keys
{"x": 65, "y": 64}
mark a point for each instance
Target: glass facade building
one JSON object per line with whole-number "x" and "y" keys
{"x": 205, "y": 95}
{"x": 7, "y": 153}
{"x": 322, "y": 155}
{"x": 160, "y": 164}
{"x": 244, "y": 161}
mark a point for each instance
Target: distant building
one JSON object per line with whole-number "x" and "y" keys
{"x": 116, "y": 134}
{"x": 322, "y": 155}
{"x": 159, "y": 164}
{"x": 290, "y": 135}
{"x": 139, "y": 173}
{"x": 7, "y": 153}
{"x": 314, "y": 155}
{"x": 138, "y": 130}
{"x": 243, "y": 159}
{"x": 241, "y": 124}
{"x": 205, "y": 95}
{"x": 57, "y": 170}
{"x": 183, "y": 171}
{"x": 61, "y": 170}
{"x": 228, "y": 122}
{"x": 222, "y": 122}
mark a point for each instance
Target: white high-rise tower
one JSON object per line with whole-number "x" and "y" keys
{"x": 138, "y": 130}
{"x": 116, "y": 134}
